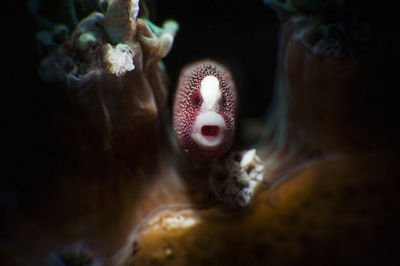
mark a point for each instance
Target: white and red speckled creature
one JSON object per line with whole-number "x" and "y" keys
{"x": 205, "y": 110}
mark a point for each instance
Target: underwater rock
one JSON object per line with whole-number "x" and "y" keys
{"x": 110, "y": 92}
{"x": 329, "y": 178}
{"x": 235, "y": 179}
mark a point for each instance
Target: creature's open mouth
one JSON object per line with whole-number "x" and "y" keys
{"x": 210, "y": 130}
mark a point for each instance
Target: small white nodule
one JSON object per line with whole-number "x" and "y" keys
{"x": 119, "y": 59}
{"x": 209, "y": 130}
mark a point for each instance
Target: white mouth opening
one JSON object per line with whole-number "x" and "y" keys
{"x": 209, "y": 130}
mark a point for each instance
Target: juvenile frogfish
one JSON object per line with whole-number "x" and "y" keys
{"x": 205, "y": 111}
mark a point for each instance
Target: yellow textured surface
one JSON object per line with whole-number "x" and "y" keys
{"x": 334, "y": 211}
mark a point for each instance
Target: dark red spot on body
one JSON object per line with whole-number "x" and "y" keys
{"x": 196, "y": 99}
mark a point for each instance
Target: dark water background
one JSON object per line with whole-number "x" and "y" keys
{"x": 241, "y": 36}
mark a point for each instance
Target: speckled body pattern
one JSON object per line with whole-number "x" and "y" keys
{"x": 185, "y": 110}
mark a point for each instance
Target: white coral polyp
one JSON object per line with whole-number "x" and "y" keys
{"x": 119, "y": 59}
